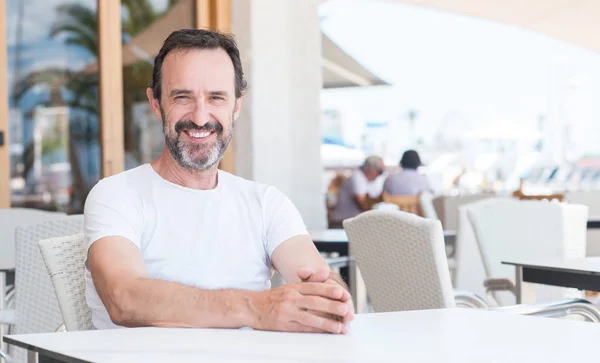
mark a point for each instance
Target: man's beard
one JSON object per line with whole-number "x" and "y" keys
{"x": 198, "y": 157}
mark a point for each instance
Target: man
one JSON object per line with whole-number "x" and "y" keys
{"x": 355, "y": 190}
{"x": 408, "y": 181}
{"x": 179, "y": 243}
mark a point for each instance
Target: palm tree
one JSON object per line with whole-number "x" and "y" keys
{"x": 79, "y": 25}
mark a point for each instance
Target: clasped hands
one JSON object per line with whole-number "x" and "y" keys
{"x": 318, "y": 304}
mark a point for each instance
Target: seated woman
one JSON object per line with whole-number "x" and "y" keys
{"x": 408, "y": 181}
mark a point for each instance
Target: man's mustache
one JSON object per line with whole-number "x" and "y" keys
{"x": 189, "y": 125}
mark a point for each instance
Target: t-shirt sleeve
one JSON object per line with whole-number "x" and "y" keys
{"x": 111, "y": 209}
{"x": 359, "y": 185}
{"x": 281, "y": 219}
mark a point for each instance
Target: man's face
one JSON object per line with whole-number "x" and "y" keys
{"x": 197, "y": 106}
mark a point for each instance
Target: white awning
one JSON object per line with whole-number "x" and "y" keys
{"x": 575, "y": 21}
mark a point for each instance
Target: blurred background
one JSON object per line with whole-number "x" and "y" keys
{"x": 495, "y": 96}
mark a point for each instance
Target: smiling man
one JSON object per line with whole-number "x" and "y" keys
{"x": 180, "y": 243}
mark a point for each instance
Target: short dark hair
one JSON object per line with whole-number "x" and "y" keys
{"x": 410, "y": 160}
{"x": 185, "y": 39}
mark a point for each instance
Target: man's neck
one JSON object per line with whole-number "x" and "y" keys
{"x": 170, "y": 170}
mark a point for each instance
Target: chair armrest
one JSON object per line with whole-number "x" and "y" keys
{"x": 562, "y": 308}
{"x": 4, "y": 356}
{"x": 337, "y": 262}
{"x": 10, "y": 299}
{"x": 466, "y": 299}
{"x": 499, "y": 284}
{"x": 8, "y": 317}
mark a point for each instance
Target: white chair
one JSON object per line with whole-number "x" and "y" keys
{"x": 36, "y": 308}
{"x": 469, "y": 273}
{"x": 64, "y": 258}
{"x": 427, "y": 207}
{"x": 590, "y": 198}
{"x": 509, "y": 229}
{"x": 403, "y": 262}
{"x": 11, "y": 218}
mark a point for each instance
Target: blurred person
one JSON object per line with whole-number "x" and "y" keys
{"x": 179, "y": 243}
{"x": 357, "y": 190}
{"x": 408, "y": 181}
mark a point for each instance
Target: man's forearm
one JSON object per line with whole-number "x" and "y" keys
{"x": 149, "y": 302}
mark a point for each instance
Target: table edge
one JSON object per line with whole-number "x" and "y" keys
{"x": 549, "y": 268}
{"x": 47, "y": 353}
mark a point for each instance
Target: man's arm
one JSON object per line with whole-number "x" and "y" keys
{"x": 132, "y": 299}
{"x": 297, "y": 259}
{"x": 359, "y": 191}
{"x": 300, "y": 253}
{"x": 361, "y": 201}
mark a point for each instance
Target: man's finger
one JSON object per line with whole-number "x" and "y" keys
{"x": 292, "y": 326}
{"x": 321, "y": 274}
{"x": 311, "y": 320}
{"x": 304, "y": 273}
{"x": 346, "y": 296}
{"x": 330, "y": 291}
{"x": 320, "y": 304}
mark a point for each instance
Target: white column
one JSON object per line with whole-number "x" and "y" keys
{"x": 278, "y": 134}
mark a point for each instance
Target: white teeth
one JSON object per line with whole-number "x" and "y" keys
{"x": 198, "y": 135}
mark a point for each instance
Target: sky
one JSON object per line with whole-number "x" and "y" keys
{"x": 449, "y": 66}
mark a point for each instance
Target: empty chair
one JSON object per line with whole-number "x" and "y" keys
{"x": 402, "y": 258}
{"x": 36, "y": 307}
{"x": 10, "y": 219}
{"x": 426, "y": 204}
{"x": 513, "y": 230}
{"x": 591, "y": 199}
{"x": 64, "y": 258}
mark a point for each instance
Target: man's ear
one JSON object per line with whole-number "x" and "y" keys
{"x": 154, "y": 103}
{"x": 238, "y": 107}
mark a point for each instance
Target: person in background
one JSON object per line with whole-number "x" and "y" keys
{"x": 354, "y": 194}
{"x": 408, "y": 181}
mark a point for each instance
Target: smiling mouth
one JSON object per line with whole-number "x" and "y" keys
{"x": 198, "y": 135}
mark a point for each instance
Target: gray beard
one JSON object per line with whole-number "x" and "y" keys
{"x": 184, "y": 154}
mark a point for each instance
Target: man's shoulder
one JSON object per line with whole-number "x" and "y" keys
{"x": 243, "y": 185}
{"x": 251, "y": 191}
{"x": 123, "y": 183}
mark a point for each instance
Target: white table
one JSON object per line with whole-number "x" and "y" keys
{"x": 453, "y": 335}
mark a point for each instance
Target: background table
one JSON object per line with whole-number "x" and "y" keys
{"x": 593, "y": 222}
{"x": 451, "y": 335}
{"x": 582, "y": 274}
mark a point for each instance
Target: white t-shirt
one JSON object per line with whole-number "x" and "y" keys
{"x": 212, "y": 239}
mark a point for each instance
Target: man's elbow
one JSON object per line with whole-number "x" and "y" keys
{"x": 121, "y": 307}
